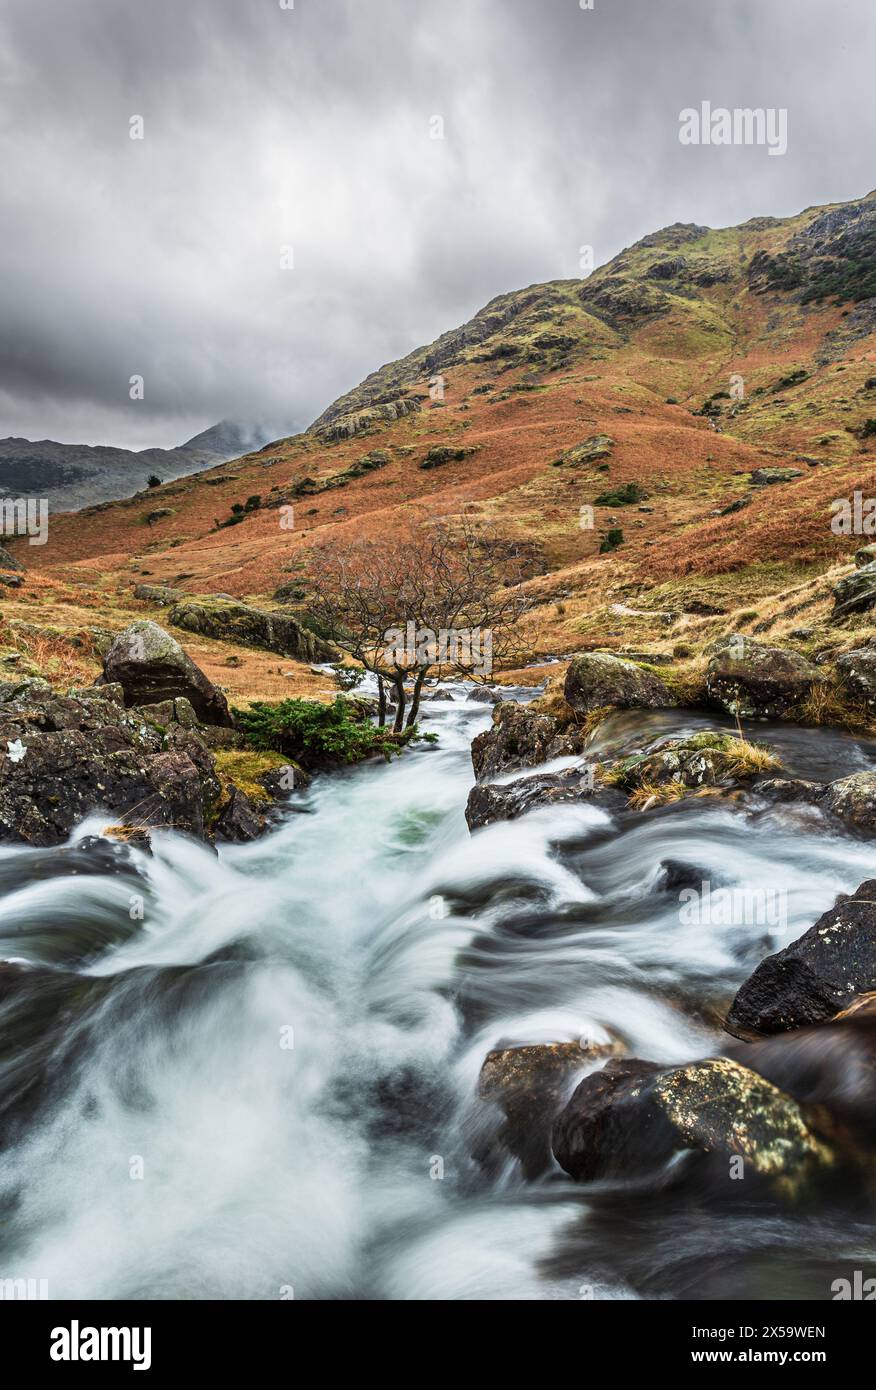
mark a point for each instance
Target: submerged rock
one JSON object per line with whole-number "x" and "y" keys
{"x": 239, "y": 819}
{"x": 745, "y": 677}
{"x": 595, "y": 680}
{"x": 821, "y": 973}
{"x": 632, "y": 1117}
{"x": 151, "y": 667}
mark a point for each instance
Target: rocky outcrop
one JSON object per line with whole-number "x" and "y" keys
{"x": 853, "y": 801}
{"x": 63, "y": 757}
{"x": 821, "y": 973}
{"x": 230, "y": 621}
{"x": 632, "y": 1117}
{"x": 711, "y": 758}
{"x": 8, "y": 561}
{"x": 745, "y": 677}
{"x": 768, "y": 477}
{"x": 519, "y": 738}
{"x": 162, "y": 594}
{"x": 239, "y": 820}
{"x": 596, "y": 680}
{"x": 151, "y": 667}
{"x": 856, "y": 592}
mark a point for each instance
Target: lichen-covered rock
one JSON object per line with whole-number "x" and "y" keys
{"x": 821, "y": 973}
{"x": 711, "y": 758}
{"x": 857, "y": 673}
{"x": 519, "y": 738}
{"x": 865, "y": 555}
{"x": 767, "y": 477}
{"x": 752, "y": 680}
{"x": 151, "y": 666}
{"x": 596, "y": 680}
{"x": 856, "y": 592}
{"x": 598, "y": 446}
{"x": 632, "y": 1117}
{"x": 853, "y": 801}
{"x": 162, "y": 594}
{"x": 8, "y": 561}
{"x": 230, "y": 621}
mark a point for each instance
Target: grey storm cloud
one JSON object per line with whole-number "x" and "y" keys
{"x": 310, "y": 127}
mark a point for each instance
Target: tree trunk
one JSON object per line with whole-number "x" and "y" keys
{"x": 381, "y": 703}
{"x": 399, "y": 683}
{"x": 415, "y": 699}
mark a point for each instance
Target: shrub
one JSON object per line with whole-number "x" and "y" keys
{"x": 312, "y": 733}
{"x": 613, "y": 539}
{"x": 621, "y": 496}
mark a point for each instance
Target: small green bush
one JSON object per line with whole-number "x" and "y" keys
{"x": 613, "y": 539}
{"x": 621, "y": 496}
{"x": 312, "y": 733}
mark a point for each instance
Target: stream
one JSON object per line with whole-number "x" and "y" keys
{"x": 254, "y": 1076}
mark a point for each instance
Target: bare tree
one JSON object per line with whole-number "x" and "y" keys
{"x": 439, "y": 596}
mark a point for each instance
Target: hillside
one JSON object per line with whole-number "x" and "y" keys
{"x": 618, "y": 393}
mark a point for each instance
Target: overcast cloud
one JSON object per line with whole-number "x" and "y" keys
{"x": 310, "y": 127}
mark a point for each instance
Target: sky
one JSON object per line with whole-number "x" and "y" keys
{"x": 289, "y": 221}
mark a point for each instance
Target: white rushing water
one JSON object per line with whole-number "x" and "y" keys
{"x": 268, "y": 1077}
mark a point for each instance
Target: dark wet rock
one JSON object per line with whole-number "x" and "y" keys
{"x": 239, "y": 819}
{"x": 11, "y": 581}
{"x": 790, "y": 789}
{"x": 280, "y": 782}
{"x": 629, "y": 1119}
{"x": 490, "y": 802}
{"x": 856, "y": 592}
{"x": 747, "y": 678}
{"x": 482, "y": 694}
{"x": 520, "y": 738}
{"x": 230, "y": 621}
{"x": 821, "y": 973}
{"x": 865, "y": 556}
{"x": 596, "y": 680}
{"x": 857, "y": 674}
{"x": 674, "y": 875}
{"x": 29, "y": 688}
{"x": 531, "y": 1085}
{"x": 151, "y": 666}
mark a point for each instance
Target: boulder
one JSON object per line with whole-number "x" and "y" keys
{"x": 595, "y": 680}
{"x": 230, "y": 621}
{"x": 856, "y": 592}
{"x": 531, "y": 1085}
{"x": 519, "y": 738}
{"x": 865, "y": 556}
{"x": 632, "y": 1117}
{"x": 821, "y": 973}
{"x": 710, "y": 758}
{"x": 747, "y": 678}
{"x": 162, "y": 594}
{"x": 857, "y": 674}
{"x": 151, "y": 666}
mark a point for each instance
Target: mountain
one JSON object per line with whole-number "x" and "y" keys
{"x": 71, "y": 476}
{"x": 665, "y": 435}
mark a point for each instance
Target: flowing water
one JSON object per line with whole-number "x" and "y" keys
{"x": 252, "y": 1074}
